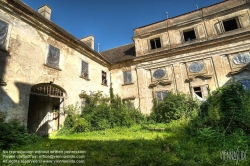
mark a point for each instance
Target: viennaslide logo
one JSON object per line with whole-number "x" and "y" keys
{"x": 233, "y": 155}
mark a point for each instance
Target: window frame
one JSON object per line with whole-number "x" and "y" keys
{"x": 231, "y": 18}
{"x": 47, "y": 63}
{"x": 154, "y": 39}
{"x": 162, "y": 97}
{"x": 82, "y": 73}
{"x": 131, "y": 78}
{"x": 104, "y": 78}
{"x": 4, "y": 47}
{"x": 189, "y": 30}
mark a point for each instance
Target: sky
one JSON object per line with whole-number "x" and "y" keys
{"x": 112, "y": 22}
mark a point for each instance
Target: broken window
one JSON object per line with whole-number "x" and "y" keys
{"x": 189, "y": 35}
{"x": 200, "y": 92}
{"x": 104, "y": 78}
{"x": 85, "y": 70}
{"x": 155, "y": 43}
{"x": 161, "y": 95}
{"x": 3, "y": 34}
{"x": 53, "y": 57}
{"x": 127, "y": 77}
{"x": 231, "y": 24}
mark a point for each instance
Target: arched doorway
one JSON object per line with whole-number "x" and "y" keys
{"x": 45, "y": 104}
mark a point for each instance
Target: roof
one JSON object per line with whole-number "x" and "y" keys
{"x": 118, "y": 54}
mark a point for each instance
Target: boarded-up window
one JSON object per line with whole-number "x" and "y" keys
{"x": 104, "y": 78}
{"x": 161, "y": 95}
{"x": 3, "y": 34}
{"x": 85, "y": 70}
{"x": 53, "y": 57}
{"x": 127, "y": 77}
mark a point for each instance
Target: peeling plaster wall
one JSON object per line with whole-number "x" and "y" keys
{"x": 28, "y": 49}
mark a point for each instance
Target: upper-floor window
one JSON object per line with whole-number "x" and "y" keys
{"x": 231, "y": 24}
{"x": 155, "y": 43}
{"x": 161, "y": 95}
{"x": 85, "y": 70}
{"x": 127, "y": 77}
{"x": 53, "y": 57}
{"x": 104, "y": 78}
{"x": 189, "y": 35}
{"x": 3, "y": 34}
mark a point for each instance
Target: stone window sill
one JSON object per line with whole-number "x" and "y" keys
{"x": 86, "y": 78}
{"x": 56, "y": 68}
{"x": 128, "y": 84}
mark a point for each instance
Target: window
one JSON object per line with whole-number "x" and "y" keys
{"x": 104, "y": 78}
{"x": 127, "y": 77}
{"x": 53, "y": 57}
{"x": 189, "y": 35}
{"x": 198, "y": 92}
{"x": 231, "y": 24}
{"x": 129, "y": 104}
{"x": 155, "y": 43}
{"x": 3, "y": 34}
{"x": 161, "y": 95}
{"x": 85, "y": 70}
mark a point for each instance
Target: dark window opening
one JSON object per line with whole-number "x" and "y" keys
{"x": 189, "y": 35}
{"x": 155, "y": 43}
{"x": 104, "y": 78}
{"x": 231, "y": 24}
{"x": 197, "y": 91}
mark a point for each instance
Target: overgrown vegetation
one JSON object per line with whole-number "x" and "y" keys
{"x": 12, "y": 134}
{"x": 100, "y": 113}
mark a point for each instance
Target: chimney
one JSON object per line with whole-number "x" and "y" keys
{"x": 89, "y": 40}
{"x": 45, "y": 11}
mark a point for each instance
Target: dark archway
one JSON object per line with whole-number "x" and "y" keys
{"x": 45, "y": 104}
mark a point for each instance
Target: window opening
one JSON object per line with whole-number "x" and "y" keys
{"x": 53, "y": 57}
{"x": 161, "y": 95}
{"x": 104, "y": 78}
{"x": 231, "y": 24}
{"x": 155, "y": 43}
{"x": 189, "y": 35}
{"x": 197, "y": 91}
{"x": 127, "y": 77}
{"x": 3, "y": 34}
{"x": 85, "y": 69}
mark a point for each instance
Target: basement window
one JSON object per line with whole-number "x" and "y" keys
{"x": 155, "y": 43}
{"x": 104, "y": 78}
{"x": 161, "y": 95}
{"x": 85, "y": 70}
{"x": 127, "y": 77}
{"x": 189, "y": 35}
{"x": 231, "y": 24}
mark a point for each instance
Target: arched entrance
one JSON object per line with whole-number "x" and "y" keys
{"x": 46, "y": 103}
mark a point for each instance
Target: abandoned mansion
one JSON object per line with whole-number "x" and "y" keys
{"x": 44, "y": 68}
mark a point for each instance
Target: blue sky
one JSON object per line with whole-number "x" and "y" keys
{"x": 111, "y": 22}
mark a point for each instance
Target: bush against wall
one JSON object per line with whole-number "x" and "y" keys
{"x": 173, "y": 107}
{"x": 12, "y": 134}
{"x": 100, "y": 112}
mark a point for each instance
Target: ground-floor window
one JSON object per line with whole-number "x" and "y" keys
{"x": 161, "y": 95}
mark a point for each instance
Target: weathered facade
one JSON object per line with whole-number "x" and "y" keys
{"x": 43, "y": 67}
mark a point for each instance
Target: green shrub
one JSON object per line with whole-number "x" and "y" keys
{"x": 227, "y": 109}
{"x": 12, "y": 134}
{"x": 173, "y": 107}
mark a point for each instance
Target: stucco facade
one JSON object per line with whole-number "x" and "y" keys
{"x": 194, "y": 53}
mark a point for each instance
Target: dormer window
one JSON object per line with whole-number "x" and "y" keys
{"x": 231, "y": 24}
{"x": 155, "y": 43}
{"x": 189, "y": 35}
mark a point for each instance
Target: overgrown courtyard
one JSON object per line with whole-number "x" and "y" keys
{"x": 180, "y": 131}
